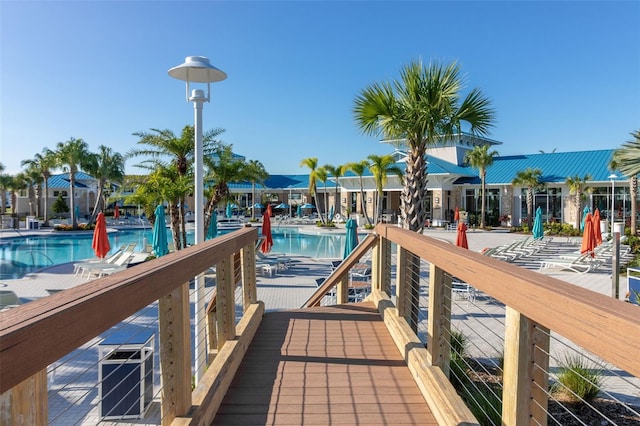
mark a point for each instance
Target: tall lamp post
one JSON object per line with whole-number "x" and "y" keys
{"x": 613, "y": 178}
{"x": 198, "y": 69}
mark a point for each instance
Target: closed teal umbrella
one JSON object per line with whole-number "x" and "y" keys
{"x": 585, "y": 212}
{"x": 538, "y": 230}
{"x": 229, "y": 211}
{"x": 331, "y": 213}
{"x": 352, "y": 237}
{"x": 212, "y": 232}
{"x": 159, "y": 239}
{"x": 299, "y": 210}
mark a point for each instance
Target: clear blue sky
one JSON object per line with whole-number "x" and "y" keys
{"x": 562, "y": 75}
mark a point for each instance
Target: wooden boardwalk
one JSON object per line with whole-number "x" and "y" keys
{"x": 326, "y": 365}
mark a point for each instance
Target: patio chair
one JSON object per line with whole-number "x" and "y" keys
{"x": 581, "y": 264}
{"x": 9, "y": 299}
{"x": 102, "y": 269}
{"x": 79, "y": 268}
{"x": 282, "y": 261}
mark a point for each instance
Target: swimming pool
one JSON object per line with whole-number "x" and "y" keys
{"x": 21, "y": 255}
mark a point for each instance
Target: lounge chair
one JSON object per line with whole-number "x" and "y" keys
{"x": 80, "y": 267}
{"x": 281, "y": 261}
{"x": 9, "y": 299}
{"x": 102, "y": 269}
{"x": 581, "y": 264}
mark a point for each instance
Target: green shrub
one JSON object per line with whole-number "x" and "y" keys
{"x": 579, "y": 380}
{"x": 485, "y": 403}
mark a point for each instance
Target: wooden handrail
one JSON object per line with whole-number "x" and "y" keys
{"x": 36, "y": 334}
{"x": 342, "y": 270}
{"x": 596, "y": 322}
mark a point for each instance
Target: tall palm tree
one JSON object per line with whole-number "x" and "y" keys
{"x": 577, "y": 187}
{"x": 531, "y": 178}
{"x": 337, "y": 172}
{"x": 73, "y": 155}
{"x": 481, "y": 158}
{"x": 322, "y": 175}
{"x": 256, "y": 174}
{"x": 5, "y": 181}
{"x": 44, "y": 162}
{"x": 359, "y": 169}
{"x": 628, "y": 160}
{"x": 15, "y": 184}
{"x": 32, "y": 178}
{"x": 312, "y": 164}
{"x": 423, "y": 106}
{"x": 381, "y": 166}
{"x": 165, "y": 150}
{"x": 223, "y": 169}
{"x": 108, "y": 166}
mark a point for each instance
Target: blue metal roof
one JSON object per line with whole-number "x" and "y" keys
{"x": 556, "y": 167}
{"x": 62, "y": 180}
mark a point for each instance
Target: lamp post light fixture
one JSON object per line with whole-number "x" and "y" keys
{"x": 198, "y": 69}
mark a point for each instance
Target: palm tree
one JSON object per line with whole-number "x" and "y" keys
{"x": 107, "y": 166}
{"x": 322, "y": 175}
{"x": 628, "y": 161}
{"x": 224, "y": 169}
{"x": 423, "y": 107}
{"x": 165, "y": 150}
{"x": 44, "y": 163}
{"x": 5, "y": 181}
{"x": 576, "y": 186}
{"x": 380, "y": 167}
{"x": 256, "y": 174}
{"x": 359, "y": 169}
{"x": 531, "y": 178}
{"x": 337, "y": 172}
{"x": 312, "y": 164}
{"x": 73, "y": 155}
{"x": 15, "y": 184}
{"x": 481, "y": 158}
{"x": 31, "y": 179}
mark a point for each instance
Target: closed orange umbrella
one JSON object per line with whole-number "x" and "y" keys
{"x": 456, "y": 215}
{"x": 461, "y": 238}
{"x": 116, "y": 212}
{"x": 596, "y": 227}
{"x": 588, "y": 236}
{"x": 100, "y": 243}
{"x": 266, "y": 231}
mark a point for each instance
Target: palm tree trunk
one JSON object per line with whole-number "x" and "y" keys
{"x": 413, "y": 217}
{"x": 482, "y": 202}
{"x": 363, "y": 207}
{"x": 72, "y": 184}
{"x": 174, "y": 214}
{"x": 634, "y": 196}
{"x": 46, "y": 200}
{"x": 529, "y": 206}
{"x": 183, "y": 227}
{"x": 578, "y": 209}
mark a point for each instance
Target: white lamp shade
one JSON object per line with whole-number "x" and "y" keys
{"x": 197, "y": 69}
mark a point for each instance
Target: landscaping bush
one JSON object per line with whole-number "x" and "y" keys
{"x": 578, "y": 380}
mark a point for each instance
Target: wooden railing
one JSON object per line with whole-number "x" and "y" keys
{"x": 39, "y": 333}
{"x": 535, "y": 305}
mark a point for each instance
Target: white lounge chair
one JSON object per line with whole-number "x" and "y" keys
{"x": 9, "y": 299}
{"x": 581, "y": 264}
{"x": 102, "y": 269}
{"x": 80, "y": 267}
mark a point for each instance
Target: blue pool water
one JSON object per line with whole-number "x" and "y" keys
{"x": 19, "y": 256}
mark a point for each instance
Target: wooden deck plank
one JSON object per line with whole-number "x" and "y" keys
{"x": 325, "y": 365}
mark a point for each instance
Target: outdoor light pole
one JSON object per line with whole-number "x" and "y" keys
{"x": 613, "y": 178}
{"x": 198, "y": 69}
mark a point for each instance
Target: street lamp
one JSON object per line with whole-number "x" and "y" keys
{"x": 198, "y": 69}
{"x": 613, "y": 178}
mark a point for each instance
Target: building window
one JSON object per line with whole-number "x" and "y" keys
{"x": 549, "y": 200}
{"x": 56, "y": 193}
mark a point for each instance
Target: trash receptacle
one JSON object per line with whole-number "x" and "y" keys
{"x": 125, "y": 375}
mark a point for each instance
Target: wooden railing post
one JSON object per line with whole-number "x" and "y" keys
{"x": 382, "y": 266}
{"x": 401, "y": 282}
{"x": 26, "y": 403}
{"x": 342, "y": 289}
{"x": 225, "y": 301}
{"x": 174, "y": 319}
{"x": 439, "y": 334}
{"x": 525, "y": 377}
{"x": 248, "y": 264}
